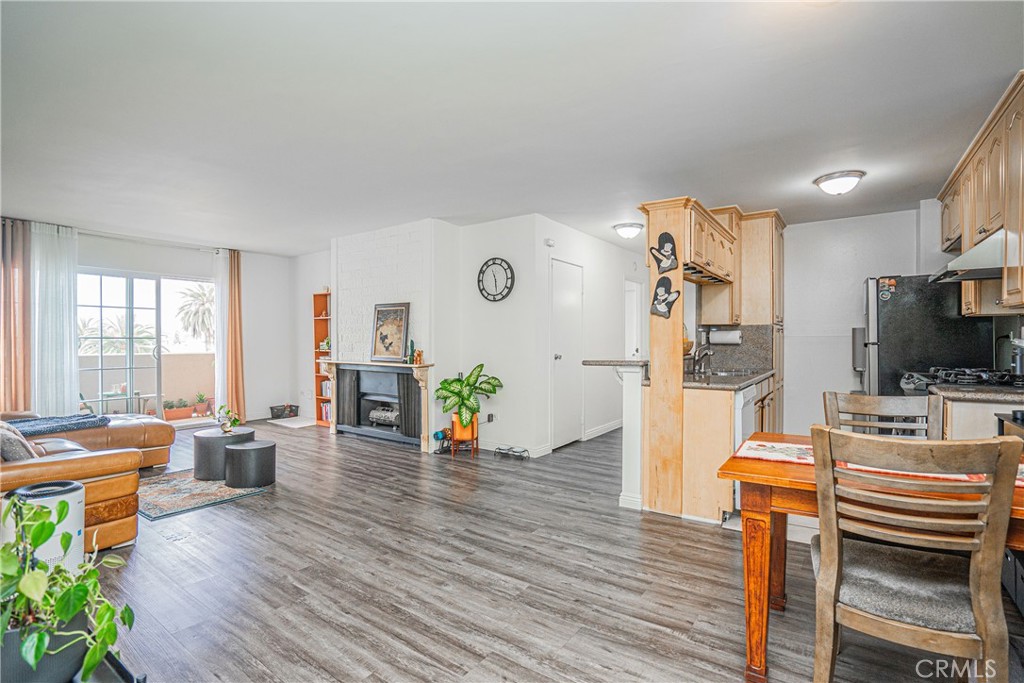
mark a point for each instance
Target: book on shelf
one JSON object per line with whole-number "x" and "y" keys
{"x": 325, "y": 388}
{"x": 325, "y": 411}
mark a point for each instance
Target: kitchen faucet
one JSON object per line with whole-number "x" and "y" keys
{"x": 702, "y": 356}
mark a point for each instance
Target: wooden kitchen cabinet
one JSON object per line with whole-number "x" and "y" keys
{"x": 971, "y": 419}
{"x": 762, "y": 268}
{"x": 706, "y": 254}
{"x": 708, "y": 435}
{"x": 984, "y": 196}
{"x": 952, "y": 222}
{"x": 983, "y": 298}
{"x": 723, "y": 304}
{"x": 778, "y": 353}
{"x": 995, "y": 183}
{"x": 1013, "y": 231}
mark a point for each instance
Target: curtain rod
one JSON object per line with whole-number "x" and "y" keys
{"x": 130, "y": 238}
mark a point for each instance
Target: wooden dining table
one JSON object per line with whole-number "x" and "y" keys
{"x": 770, "y": 491}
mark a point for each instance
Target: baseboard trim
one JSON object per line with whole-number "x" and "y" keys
{"x": 702, "y": 520}
{"x": 630, "y": 501}
{"x": 595, "y": 432}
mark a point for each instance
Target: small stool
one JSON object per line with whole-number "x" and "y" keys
{"x": 208, "y": 450}
{"x": 250, "y": 464}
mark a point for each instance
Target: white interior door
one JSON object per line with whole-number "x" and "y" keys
{"x": 567, "y": 353}
{"x": 632, "y": 317}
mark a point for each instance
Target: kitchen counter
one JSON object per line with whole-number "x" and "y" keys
{"x": 725, "y": 383}
{"x": 979, "y": 393}
{"x": 616, "y": 363}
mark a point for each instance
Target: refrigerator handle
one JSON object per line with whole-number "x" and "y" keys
{"x": 860, "y": 351}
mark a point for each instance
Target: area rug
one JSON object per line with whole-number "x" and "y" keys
{"x": 176, "y": 492}
{"x": 293, "y": 422}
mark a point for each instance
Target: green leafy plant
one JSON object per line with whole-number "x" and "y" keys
{"x": 168, "y": 404}
{"x": 463, "y": 394}
{"x": 181, "y": 403}
{"x": 225, "y": 414}
{"x": 200, "y": 398}
{"x": 40, "y": 600}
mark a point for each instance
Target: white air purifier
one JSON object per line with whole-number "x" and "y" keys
{"x": 49, "y": 494}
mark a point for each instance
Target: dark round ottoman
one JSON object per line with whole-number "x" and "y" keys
{"x": 208, "y": 450}
{"x": 251, "y": 464}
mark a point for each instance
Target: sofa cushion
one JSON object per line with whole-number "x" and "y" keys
{"x": 44, "y": 447}
{"x": 124, "y": 431}
{"x": 14, "y": 447}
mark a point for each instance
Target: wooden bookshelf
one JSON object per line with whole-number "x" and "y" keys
{"x": 323, "y": 384}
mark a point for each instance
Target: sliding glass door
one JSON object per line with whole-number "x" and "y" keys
{"x": 118, "y": 347}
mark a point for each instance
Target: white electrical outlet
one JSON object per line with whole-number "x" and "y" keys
{"x": 492, "y": 417}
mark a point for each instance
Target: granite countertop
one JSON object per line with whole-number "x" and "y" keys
{"x": 725, "y": 383}
{"x": 979, "y": 393}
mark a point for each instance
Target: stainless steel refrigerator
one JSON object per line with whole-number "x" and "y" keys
{"x": 913, "y": 325}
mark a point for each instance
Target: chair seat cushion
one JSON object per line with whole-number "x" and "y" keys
{"x": 916, "y": 587}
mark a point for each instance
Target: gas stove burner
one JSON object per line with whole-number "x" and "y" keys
{"x": 917, "y": 383}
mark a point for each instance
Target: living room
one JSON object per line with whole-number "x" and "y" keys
{"x": 385, "y": 341}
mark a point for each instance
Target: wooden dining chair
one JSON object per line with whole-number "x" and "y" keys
{"x": 908, "y": 416}
{"x": 904, "y": 591}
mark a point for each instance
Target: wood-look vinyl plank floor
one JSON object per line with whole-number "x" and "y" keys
{"x": 369, "y": 561}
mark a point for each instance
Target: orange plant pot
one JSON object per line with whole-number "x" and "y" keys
{"x": 460, "y": 433}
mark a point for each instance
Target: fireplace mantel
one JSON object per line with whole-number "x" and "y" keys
{"x": 420, "y": 372}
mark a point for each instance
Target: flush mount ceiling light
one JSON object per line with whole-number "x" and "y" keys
{"x": 628, "y": 230}
{"x": 840, "y": 182}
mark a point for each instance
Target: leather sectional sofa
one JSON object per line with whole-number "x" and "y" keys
{"x": 106, "y": 460}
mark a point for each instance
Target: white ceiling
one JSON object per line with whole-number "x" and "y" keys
{"x": 273, "y": 127}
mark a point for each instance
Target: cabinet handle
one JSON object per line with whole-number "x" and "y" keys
{"x": 982, "y": 230}
{"x": 999, "y": 302}
{"x": 728, "y": 273}
{"x": 947, "y": 240}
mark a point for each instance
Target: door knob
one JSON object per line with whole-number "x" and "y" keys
{"x": 558, "y": 356}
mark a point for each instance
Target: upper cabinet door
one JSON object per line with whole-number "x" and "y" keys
{"x": 995, "y": 166}
{"x": 979, "y": 204}
{"x": 1013, "y": 263}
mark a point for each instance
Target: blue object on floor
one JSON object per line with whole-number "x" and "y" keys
{"x": 40, "y": 426}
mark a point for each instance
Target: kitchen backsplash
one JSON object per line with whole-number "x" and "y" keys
{"x": 754, "y": 352}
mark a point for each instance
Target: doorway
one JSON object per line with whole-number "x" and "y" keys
{"x": 146, "y": 346}
{"x": 118, "y": 349}
{"x": 567, "y": 353}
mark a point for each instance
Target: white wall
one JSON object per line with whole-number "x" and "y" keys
{"x": 309, "y": 274}
{"x": 149, "y": 258}
{"x": 826, "y": 265}
{"x": 267, "y": 343}
{"x": 605, "y": 271}
{"x": 266, "y": 306}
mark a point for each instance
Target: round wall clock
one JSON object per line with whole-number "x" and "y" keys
{"x": 496, "y": 279}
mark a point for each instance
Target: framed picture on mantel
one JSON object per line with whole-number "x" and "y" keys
{"x": 390, "y": 332}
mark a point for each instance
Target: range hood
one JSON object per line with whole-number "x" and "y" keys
{"x": 983, "y": 262}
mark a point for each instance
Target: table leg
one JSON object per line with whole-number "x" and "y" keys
{"x": 777, "y": 580}
{"x": 755, "y": 501}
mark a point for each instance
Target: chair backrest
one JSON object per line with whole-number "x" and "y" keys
{"x": 906, "y": 416}
{"x": 961, "y": 502}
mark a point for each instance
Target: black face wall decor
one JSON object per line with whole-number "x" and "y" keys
{"x": 665, "y": 254}
{"x": 664, "y": 298}
{"x": 496, "y": 279}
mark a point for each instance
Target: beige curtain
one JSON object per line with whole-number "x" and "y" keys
{"x": 15, "y": 323}
{"x": 235, "y": 372}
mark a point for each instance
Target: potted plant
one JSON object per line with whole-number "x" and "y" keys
{"x": 462, "y": 396}
{"x": 228, "y": 419}
{"x": 177, "y": 410}
{"x": 202, "y": 405}
{"x": 57, "y": 621}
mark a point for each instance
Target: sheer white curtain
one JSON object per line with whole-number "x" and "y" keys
{"x": 221, "y": 284}
{"x": 54, "y": 257}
